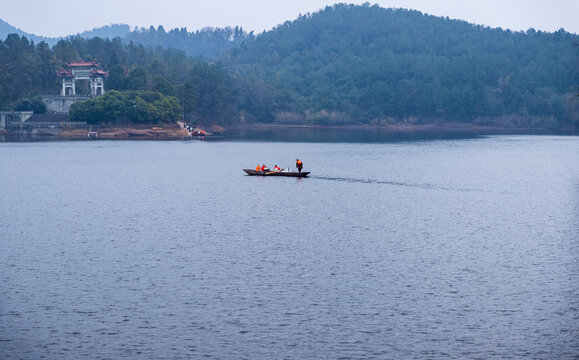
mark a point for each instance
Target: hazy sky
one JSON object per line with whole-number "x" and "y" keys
{"x": 60, "y": 18}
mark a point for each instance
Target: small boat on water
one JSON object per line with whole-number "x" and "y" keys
{"x": 198, "y": 133}
{"x": 254, "y": 172}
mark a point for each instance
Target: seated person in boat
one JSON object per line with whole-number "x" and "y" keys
{"x": 258, "y": 168}
{"x": 264, "y": 168}
{"x": 276, "y": 168}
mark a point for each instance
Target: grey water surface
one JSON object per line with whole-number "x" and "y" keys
{"x": 443, "y": 249}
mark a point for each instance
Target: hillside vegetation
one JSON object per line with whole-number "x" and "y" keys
{"x": 345, "y": 64}
{"x": 368, "y": 64}
{"x": 207, "y": 92}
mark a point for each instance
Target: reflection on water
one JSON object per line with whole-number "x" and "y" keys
{"x": 353, "y": 135}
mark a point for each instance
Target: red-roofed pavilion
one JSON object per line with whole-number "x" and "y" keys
{"x": 82, "y": 70}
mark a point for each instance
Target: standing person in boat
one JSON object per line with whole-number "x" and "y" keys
{"x": 299, "y": 165}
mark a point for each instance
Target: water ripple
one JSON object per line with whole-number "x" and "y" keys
{"x": 386, "y": 182}
{"x": 164, "y": 250}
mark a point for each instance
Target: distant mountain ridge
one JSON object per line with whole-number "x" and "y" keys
{"x": 209, "y": 43}
{"x": 108, "y": 31}
{"x": 6, "y": 28}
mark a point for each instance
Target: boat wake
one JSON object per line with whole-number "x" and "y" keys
{"x": 393, "y": 183}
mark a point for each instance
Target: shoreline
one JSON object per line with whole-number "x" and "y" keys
{"x": 133, "y": 132}
{"x": 179, "y": 132}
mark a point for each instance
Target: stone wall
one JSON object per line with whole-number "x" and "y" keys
{"x": 61, "y": 104}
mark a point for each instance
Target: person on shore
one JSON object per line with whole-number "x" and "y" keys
{"x": 299, "y": 165}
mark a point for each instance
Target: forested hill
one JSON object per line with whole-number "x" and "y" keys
{"x": 365, "y": 63}
{"x": 345, "y": 64}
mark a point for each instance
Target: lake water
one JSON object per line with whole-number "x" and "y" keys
{"x": 456, "y": 248}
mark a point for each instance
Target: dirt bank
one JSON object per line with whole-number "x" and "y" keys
{"x": 132, "y": 132}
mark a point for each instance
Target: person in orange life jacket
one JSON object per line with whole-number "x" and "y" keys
{"x": 257, "y": 168}
{"x": 299, "y": 165}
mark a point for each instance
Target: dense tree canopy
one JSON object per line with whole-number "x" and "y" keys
{"x": 207, "y": 92}
{"x": 128, "y": 107}
{"x": 26, "y": 70}
{"x": 369, "y": 64}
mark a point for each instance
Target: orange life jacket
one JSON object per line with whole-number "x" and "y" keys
{"x": 257, "y": 168}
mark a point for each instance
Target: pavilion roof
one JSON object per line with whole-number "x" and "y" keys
{"x": 82, "y": 64}
{"x": 65, "y": 73}
{"x": 96, "y": 72}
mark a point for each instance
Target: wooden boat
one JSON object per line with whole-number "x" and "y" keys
{"x": 254, "y": 172}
